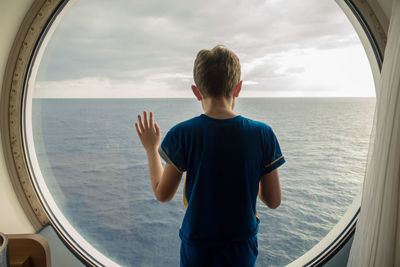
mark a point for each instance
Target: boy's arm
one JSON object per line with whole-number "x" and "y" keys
{"x": 270, "y": 189}
{"x": 166, "y": 181}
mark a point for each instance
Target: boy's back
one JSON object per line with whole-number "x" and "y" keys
{"x": 224, "y": 160}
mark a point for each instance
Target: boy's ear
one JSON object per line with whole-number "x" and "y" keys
{"x": 196, "y": 92}
{"x": 238, "y": 87}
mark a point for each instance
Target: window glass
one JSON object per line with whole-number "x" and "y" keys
{"x": 305, "y": 73}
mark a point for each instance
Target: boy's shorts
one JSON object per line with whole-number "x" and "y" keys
{"x": 242, "y": 253}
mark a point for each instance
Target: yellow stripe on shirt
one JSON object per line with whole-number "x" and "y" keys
{"x": 270, "y": 164}
{"x": 185, "y": 202}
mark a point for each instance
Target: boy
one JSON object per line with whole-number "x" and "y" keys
{"x": 228, "y": 160}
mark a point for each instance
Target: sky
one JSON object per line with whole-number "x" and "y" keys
{"x": 125, "y": 48}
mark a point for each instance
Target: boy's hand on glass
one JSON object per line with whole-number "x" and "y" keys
{"x": 148, "y": 132}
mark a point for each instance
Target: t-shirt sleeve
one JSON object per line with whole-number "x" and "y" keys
{"x": 272, "y": 157}
{"x": 172, "y": 149}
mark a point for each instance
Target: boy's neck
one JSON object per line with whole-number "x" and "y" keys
{"x": 219, "y": 108}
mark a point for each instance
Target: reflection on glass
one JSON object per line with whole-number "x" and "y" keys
{"x": 92, "y": 83}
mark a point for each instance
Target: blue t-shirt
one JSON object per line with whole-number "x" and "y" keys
{"x": 224, "y": 160}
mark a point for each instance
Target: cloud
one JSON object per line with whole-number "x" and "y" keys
{"x": 147, "y": 42}
{"x": 94, "y": 87}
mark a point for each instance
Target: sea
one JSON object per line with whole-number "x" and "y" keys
{"x": 96, "y": 170}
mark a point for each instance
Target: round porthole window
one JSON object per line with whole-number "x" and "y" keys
{"x": 305, "y": 73}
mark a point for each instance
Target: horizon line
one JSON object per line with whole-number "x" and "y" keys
{"x": 161, "y": 97}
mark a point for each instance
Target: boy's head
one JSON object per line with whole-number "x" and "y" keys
{"x": 216, "y": 72}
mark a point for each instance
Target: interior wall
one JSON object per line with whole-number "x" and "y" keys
{"x": 12, "y": 217}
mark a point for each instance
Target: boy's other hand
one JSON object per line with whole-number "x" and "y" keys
{"x": 148, "y": 132}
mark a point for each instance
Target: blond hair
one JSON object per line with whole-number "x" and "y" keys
{"x": 216, "y": 72}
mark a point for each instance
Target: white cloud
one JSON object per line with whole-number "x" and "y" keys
{"x": 98, "y": 87}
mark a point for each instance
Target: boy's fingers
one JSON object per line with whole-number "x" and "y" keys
{"x": 146, "y": 124}
{"x": 157, "y": 128}
{"x": 151, "y": 120}
{"x": 140, "y": 123}
{"x": 137, "y": 129}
